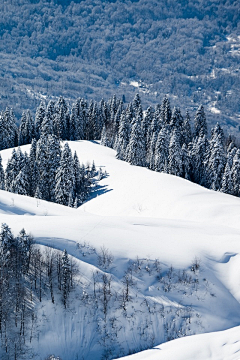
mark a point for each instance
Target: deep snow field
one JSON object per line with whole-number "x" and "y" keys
{"x": 139, "y": 216}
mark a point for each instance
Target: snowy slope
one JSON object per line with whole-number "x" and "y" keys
{"x": 223, "y": 345}
{"x": 137, "y": 212}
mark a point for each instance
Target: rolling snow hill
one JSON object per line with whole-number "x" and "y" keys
{"x": 140, "y": 216}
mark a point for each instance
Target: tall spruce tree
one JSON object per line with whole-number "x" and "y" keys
{"x": 236, "y": 173}
{"x": 65, "y": 177}
{"x": 175, "y": 164}
{"x": 39, "y": 116}
{"x": 136, "y": 150}
{"x": 161, "y": 151}
{"x": 200, "y": 123}
{"x": 123, "y": 138}
{"x": 227, "y": 181}
{"x": 2, "y": 175}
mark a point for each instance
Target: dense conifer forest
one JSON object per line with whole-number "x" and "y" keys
{"x": 161, "y": 139}
{"x": 92, "y": 49}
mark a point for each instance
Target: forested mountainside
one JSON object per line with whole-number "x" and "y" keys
{"x": 189, "y": 49}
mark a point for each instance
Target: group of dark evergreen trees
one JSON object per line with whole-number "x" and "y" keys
{"x": 26, "y": 277}
{"x": 161, "y": 139}
{"x": 48, "y": 173}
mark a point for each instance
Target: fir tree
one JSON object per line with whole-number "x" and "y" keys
{"x": 26, "y": 129}
{"x": 198, "y": 151}
{"x": 227, "y": 181}
{"x": 187, "y": 132}
{"x": 64, "y": 177}
{"x": 236, "y": 173}
{"x": 161, "y": 151}
{"x": 21, "y": 183}
{"x": 150, "y": 157}
{"x": 136, "y": 150}
{"x": 175, "y": 165}
{"x": 200, "y": 123}
{"x": 40, "y": 114}
{"x": 146, "y": 122}
{"x": 2, "y": 175}
{"x": 166, "y": 112}
{"x": 123, "y": 138}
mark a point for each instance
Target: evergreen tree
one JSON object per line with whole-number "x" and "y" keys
{"x": 12, "y": 170}
{"x": 2, "y": 175}
{"x": 26, "y": 129}
{"x": 216, "y": 164}
{"x": 123, "y": 138}
{"x": 146, "y": 122}
{"x": 21, "y": 183}
{"x": 136, "y": 150}
{"x": 216, "y": 158}
{"x": 236, "y": 173}
{"x": 175, "y": 164}
{"x": 40, "y": 114}
{"x": 227, "y": 181}
{"x": 166, "y": 112}
{"x": 186, "y": 163}
{"x": 33, "y": 170}
{"x": 176, "y": 123}
{"x": 200, "y": 123}
{"x": 187, "y": 132}
{"x": 8, "y": 130}
{"x": 198, "y": 150}
{"x": 150, "y": 156}
{"x": 61, "y": 120}
{"x": 65, "y": 177}
{"x": 161, "y": 151}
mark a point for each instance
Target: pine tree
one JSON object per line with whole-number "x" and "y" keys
{"x": 216, "y": 164}
{"x": 8, "y": 130}
{"x": 123, "y": 138}
{"x": 21, "y": 183}
{"x": 136, "y": 150}
{"x": 216, "y": 158}
{"x": 64, "y": 177}
{"x": 137, "y": 108}
{"x": 26, "y": 129}
{"x": 227, "y": 181}
{"x": 236, "y": 173}
{"x": 150, "y": 157}
{"x": 200, "y": 123}
{"x": 2, "y": 175}
{"x": 186, "y": 163}
{"x": 146, "y": 122}
{"x": 166, "y": 112}
{"x": 187, "y": 132}
{"x": 12, "y": 170}
{"x": 33, "y": 170}
{"x": 48, "y": 155}
{"x": 197, "y": 151}
{"x": 161, "y": 151}
{"x": 61, "y": 119}
{"x": 176, "y": 123}
{"x": 40, "y": 114}
{"x": 175, "y": 165}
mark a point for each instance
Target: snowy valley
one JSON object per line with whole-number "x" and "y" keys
{"x": 156, "y": 258}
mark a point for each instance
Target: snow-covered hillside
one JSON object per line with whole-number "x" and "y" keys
{"x": 140, "y": 216}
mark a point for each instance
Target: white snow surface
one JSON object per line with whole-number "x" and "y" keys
{"x": 138, "y": 212}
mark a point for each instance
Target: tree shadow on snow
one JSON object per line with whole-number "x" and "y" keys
{"x": 98, "y": 190}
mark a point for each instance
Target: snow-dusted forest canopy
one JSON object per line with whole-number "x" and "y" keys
{"x": 96, "y": 48}
{"x": 162, "y": 140}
